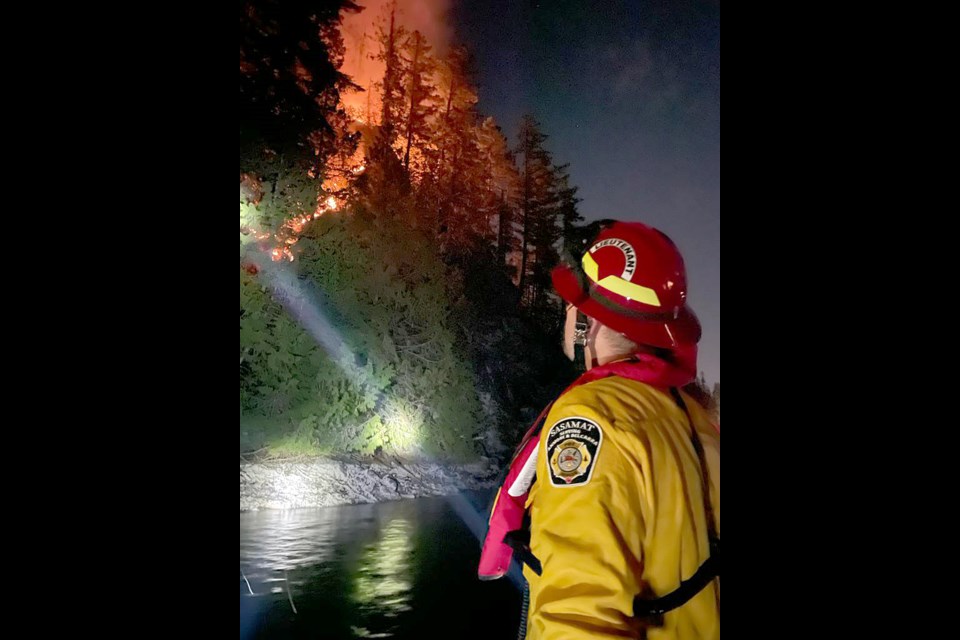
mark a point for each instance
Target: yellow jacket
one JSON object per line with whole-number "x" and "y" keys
{"x": 617, "y": 510}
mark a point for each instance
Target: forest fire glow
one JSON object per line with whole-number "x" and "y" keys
{"x": 289, "y": 232}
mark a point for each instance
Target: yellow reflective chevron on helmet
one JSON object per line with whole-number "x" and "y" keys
{"x": 618, "y": 285}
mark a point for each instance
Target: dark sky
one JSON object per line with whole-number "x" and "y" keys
{"x": 629, "y": 94}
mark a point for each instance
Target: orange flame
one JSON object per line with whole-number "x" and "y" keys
{"x": 359, "y": 33}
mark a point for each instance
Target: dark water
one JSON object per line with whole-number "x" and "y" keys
{"x": 404, "y": 569}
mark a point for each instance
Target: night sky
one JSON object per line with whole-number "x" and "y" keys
{"x": 629, "y": 95}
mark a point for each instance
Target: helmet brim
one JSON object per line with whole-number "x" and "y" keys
{"x": 658, "y": 329}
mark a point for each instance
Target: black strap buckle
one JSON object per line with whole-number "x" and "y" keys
{"x": 709, "y": 570}
{"x": 519, "y": 541}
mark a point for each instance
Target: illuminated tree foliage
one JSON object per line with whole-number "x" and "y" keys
{"x": 421, "y": 237}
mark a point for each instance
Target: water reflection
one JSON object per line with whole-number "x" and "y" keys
{"x": 400, "y": 570}
{"x": 382, "y": 588}
{"x": 274, "y": 542}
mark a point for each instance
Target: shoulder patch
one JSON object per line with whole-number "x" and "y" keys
{"x": 572, "y": 447}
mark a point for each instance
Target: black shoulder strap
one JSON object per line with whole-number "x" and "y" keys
{"x": 704, "y": 476}
{"x": 710, "y": 569}
{"x": 688, "y": 588}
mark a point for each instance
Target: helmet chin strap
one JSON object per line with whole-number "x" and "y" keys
{"x": 580, "y": 341}
{"x": 584, "y": 337}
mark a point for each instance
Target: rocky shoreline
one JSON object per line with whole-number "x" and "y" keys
{"x": 325, "y": 482}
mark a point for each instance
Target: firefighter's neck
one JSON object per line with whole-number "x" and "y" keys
{"x": 601, "y": 360}
{"x": 605, "y": 346}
